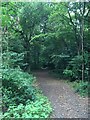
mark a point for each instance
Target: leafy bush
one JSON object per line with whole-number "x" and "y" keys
{"x": 39, "y": 109}
{"x": 17, "y": 86}
{"x": 68, "y": 73}
{"x": 17, "y": 76}
{"x": 81, "y": 87}
{"x": 20, "y": 97}
{"x": 13, "y": 59}
{"x": 74, "y": 70}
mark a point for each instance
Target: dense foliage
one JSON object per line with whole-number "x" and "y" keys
{"x": 38, "y": 109}
{"x": 81, "y": 88}
{"x": 17, "y": 86}
{"x": 21, "y": 99}
{"x": 39, "y": 35}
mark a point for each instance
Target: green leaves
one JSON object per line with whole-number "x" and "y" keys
{"x": 68, "y": 73}
{"x": 20, "y": 96}
{"x": 18, "y": 86}
{"x": 39, "y": 109}
{"x": 73, "y": 70}
{"x": 81, "y": 87}
{"x": 9, "y": 11}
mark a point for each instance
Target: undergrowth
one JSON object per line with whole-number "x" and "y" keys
{"x": 21, "y": 99}
{"x": 81, "y": 87}
{"x": 40, "y": 108}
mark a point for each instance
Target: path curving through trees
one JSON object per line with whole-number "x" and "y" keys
{"x": 65, "y": 102}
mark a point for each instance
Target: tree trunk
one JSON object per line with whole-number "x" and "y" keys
{"x": 82, "y": 38}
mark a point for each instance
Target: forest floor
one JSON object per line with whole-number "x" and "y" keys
{"x": 65, "y": 102}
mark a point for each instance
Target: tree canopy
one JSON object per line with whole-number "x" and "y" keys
{"x": 50, "y": 35}
{"x": 37, "y": 33}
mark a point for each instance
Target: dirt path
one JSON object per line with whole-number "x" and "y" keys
{"x": 65, "y": 103}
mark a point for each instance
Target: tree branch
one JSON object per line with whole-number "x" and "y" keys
{"x": 70, "y": 18}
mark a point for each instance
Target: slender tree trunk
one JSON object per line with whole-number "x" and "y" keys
{"x": 82, "y": 38}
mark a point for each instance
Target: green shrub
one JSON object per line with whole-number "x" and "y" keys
{"x": 20, "y": 97}
{"x": 68, "y": 73}
{"x": 12, "y": 58}
{"x": 17, "y": 87}
{"x": 74, "y": 70}
{"x": 81, "y": 87}
{"x": 39, "y": 109}
{"x": 17, "y": 76}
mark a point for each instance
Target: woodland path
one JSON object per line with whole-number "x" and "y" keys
{"x": 65, "y": 102}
